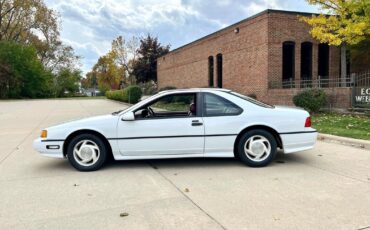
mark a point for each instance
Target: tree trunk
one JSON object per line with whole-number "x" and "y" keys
{"x": 343, "y": 64}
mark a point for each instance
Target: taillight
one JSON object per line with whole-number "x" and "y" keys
{"x": 307, "y": 124}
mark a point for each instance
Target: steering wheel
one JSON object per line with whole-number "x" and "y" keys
{"x": 151, "y": 112}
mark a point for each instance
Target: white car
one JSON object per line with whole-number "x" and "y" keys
{"x": 182, "y": 123}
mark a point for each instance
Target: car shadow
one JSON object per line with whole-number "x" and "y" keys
{"x": 281, "y": 158}
{"x": 177, "y": 163}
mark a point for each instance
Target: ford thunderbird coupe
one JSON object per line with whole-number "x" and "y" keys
{"x": 182, "y": 123}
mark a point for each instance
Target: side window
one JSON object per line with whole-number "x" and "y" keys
{"x": 217, "y": 106}
{"x": 176, "y": 105}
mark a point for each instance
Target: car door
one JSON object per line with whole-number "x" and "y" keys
{"x": 222, "y": 122}
{"x": 175, "y": 128}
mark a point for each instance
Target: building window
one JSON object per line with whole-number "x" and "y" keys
{"x": 219, "y": 70}
{"x": 306, "y": 61}
{"x": 323, "y": 60}
{"x": 210, "y": 71}
{"x": 288, "y": 61}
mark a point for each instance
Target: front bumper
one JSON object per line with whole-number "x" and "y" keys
{"x": 296, "y": 142}
{"x": 49, "y": 148}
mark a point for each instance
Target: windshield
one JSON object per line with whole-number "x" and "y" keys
{"x": 130, "y": 105}
{"x": 251, "y": 100}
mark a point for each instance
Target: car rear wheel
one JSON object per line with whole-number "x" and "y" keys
{"x": 87, "y": 152}
{"x": 257, "y": 148}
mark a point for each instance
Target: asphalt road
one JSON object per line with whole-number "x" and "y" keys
{"x": 324, "y": 188}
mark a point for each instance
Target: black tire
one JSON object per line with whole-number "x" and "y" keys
{"x": 266, "y": 157}
{"x": 91, "y": 139}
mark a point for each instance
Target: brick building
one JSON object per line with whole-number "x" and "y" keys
{"x": 252, "y": 56}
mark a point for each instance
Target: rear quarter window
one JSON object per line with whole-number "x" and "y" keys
{"x": 214, "y": 105}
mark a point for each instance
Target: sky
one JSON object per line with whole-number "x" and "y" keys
{"x": 89, "y": 26}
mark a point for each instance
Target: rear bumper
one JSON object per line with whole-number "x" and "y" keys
{"x": 298, "y": 141}
{"x": 49, "y": 148}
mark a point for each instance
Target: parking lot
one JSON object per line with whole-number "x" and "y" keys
{"x": 324, "y": 188}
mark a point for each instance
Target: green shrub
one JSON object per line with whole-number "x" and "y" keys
{"x": 131, "y": 94}
{"x": 167, "y": 88}
{"x": 311, "y": 100}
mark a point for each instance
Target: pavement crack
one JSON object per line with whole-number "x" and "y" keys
{"x": 186, "y": 196}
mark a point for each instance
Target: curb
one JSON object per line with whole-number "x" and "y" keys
{"x": 357, "y": 143}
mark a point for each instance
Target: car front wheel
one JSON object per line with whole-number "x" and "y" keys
{"x": 87, "y": 152}
{"x": 257, "y": 148}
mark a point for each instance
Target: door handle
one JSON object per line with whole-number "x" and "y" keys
{"x": 196, "y": 123}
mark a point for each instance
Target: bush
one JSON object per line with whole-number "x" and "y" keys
{"x": 311, "y": 100}
{"x": 131, "y": 94}
{"x": 167, "y": 88}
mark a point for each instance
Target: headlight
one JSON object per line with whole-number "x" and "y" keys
{"x": 44, "y": 134}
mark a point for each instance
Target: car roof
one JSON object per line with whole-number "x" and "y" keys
{"x": 196, "y": 90}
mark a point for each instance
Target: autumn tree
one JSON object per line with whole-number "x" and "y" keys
{"x": 130, "y": 60}
{"x": 145, "y": 68}
{"x": 19, "y": 19}
{"x": 88, "y": 81}
{"x": 125, "y": 53}
{"x": 346, "y": 22}
{"x": 31, "y": 22}
{"x": 108, "y": 74}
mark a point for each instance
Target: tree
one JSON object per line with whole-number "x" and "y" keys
{"x": 88, "y": 81}
{"x": 31, "y": 22}
{"x": 20, "y": 19}
{"x": 347, "y": 23}
{"x": 108, "y": 73}
{"x": 66, "y": 83}
{"x": 145, "y": 68}
{"x": 125, "y": 54}
{"x": 33, "y": 26}
{"x": 360, "y": 55}
{"x": 22, "y": 74}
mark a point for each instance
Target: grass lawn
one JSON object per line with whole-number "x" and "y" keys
{"x": 344, "y": 125}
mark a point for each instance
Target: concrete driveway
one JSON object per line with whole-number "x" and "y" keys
{"x": 325, "y": 188}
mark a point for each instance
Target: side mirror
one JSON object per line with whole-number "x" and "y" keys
{"x": 129, "y": 116}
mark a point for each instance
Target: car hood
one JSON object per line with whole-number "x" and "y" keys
{"x": 88, "y": 121}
